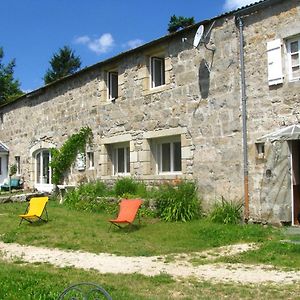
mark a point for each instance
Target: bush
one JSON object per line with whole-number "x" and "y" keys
{"x": 226, "y": 212}
{"x": 125, "y": 185}
{"x": 178, "y": 203}
{"x": 89, "y": 197}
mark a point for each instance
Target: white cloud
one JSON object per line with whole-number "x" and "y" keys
{"x": 133, "y": 43}
{"x": 100, "y": 45}
{"x": 234, "y": 4}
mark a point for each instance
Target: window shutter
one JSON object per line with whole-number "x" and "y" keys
{"x": 275, "y": 75}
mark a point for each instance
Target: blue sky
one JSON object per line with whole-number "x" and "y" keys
{"x": 32, "y": 30}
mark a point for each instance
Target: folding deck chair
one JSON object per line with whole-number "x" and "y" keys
{"x": 35, "y": 210}
{"x": 127, "y": 213}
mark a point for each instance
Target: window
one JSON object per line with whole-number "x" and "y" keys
{"x": 18, "y": 164}
{"x": 112, "y": 81}
{"x": 157, "y": 67}
{"x": 169, "y": 156}
{"x": 42, "y": 167}
{"x": 293, "y": 50}
{"x": 90, "y": 162}
{"x": 260, "y": 150}
{"x": 0, "y": 165}
{"x": 121, "y": 160}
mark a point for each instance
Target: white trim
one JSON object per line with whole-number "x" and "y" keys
{"x": 115, "y": 161}
{"x": 289, "y": 58}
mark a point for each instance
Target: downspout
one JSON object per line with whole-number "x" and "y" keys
{"x": 244, "y": 120}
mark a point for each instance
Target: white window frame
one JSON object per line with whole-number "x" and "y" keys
{"x": 112, "y": 94}
{"x": 115, "y": 160}
{"x": 153, "y": 83}
{"x": 159, "y": 156}
{"x": 290, "y": 54}
{"x": 18, "y": 164}
{"x": 40, "y": 181}
{"x": 91, "y": 160}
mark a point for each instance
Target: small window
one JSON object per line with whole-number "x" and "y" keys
{"x": 121, "y": 160}
{"x": 157, "y": 71}
{"x": 260, "y": 150}
{"x": 90, "y": 163}
{"x": 293, "y": 47}
{"x": 112, "y": 85}
{"x": 0, "y": 165}
{"x": 169, "y": 157}
{"x": 18, "y": 164}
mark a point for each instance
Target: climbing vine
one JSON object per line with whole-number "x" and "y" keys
{"x": 63, "y": 158}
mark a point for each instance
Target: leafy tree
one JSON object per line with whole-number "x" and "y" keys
{"x": 9, "y": 87}
{"x": 63, "y": 63}
{"x": 179, "y": 22}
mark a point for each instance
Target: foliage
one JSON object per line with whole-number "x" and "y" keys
{"x": 63, "y": 158}
{"x": 226, "y": 212}
{"x": 90, "y": 197}
{"x": 125, "y": 185}
{"x": 178, "y": 203}
{"x": 9, "y": 87}
{"x": 63, "y": 63}
{"x": 176, "y": 23}
{"x": 13, "y": 169}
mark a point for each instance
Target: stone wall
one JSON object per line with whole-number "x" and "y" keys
{"x": 199, "y": 104}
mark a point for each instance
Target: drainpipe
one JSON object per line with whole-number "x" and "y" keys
{"x": 244, "y": 118}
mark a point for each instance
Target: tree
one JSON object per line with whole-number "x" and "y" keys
{"x": 176, "y": 23}
{"x": 63, "y": 63}
{"x": 9, "y": 87}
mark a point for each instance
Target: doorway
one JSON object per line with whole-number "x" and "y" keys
{"x": 295, "y": 167}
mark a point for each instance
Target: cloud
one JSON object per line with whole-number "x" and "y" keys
{"x": 100, "y": 45}
{"x": 234, "y": 4}
{"x": 133, "y": 43}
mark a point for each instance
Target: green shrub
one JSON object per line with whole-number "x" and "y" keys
{"x": 125, "y": 185}
{"x": 90, "y": 197}
{"x": 178, "y": 203}
{"x": 226, "y": 212}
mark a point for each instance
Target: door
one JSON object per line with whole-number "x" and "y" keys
{"x": 295, "y": 166}
{"x": 3, "y": 167}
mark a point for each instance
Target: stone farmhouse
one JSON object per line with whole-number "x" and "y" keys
{"x": 223, "y": 112}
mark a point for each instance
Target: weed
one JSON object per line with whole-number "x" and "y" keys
{"x": 178, "y": 203}
{"x": 226, "y": 212}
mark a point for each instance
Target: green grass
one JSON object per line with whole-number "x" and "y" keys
{"x": 69, "y": 229}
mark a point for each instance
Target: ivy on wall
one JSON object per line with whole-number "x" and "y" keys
{"x": 63, "y": 158}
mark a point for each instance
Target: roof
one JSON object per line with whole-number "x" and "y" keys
{"x": 237, "y": 13}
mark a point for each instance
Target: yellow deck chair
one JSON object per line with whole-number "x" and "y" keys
{"x": 35, "y": 210}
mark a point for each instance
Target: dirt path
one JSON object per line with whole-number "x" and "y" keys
{"x": 149, "y": 266}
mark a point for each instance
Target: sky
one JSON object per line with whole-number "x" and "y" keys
{"x": 33, "y": 30}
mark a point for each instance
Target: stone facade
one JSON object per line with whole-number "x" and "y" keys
{"x": 199, "y": 105}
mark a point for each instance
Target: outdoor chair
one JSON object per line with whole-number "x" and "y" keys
{"x": 85, "y": 290}
{"x": 14, "y": 183}
{"x": 35, "y": 210}
{"x": 127, "y": 212}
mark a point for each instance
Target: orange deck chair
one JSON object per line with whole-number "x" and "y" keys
{"x": 35, "y": 210}
{"x": 127, "y": 213}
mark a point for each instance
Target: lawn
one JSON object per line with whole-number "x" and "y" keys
{"x": 70, "y": 229}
